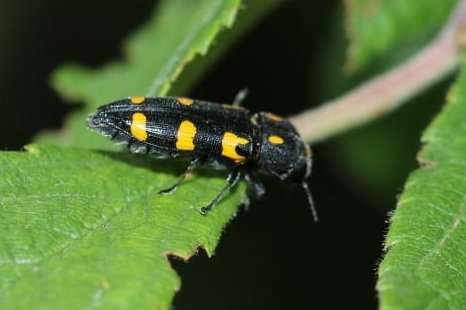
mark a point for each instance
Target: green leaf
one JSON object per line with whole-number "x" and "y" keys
{"x": 178, "y": 31}
{"x": 81, "y": 229}
{"x": 374, "y": 26}
{"x": 425, "y": 267}
{"x": 86, "y": 229}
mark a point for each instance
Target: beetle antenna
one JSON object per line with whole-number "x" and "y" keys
{"x": 310, "y": 201}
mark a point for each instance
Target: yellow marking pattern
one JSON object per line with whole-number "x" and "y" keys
{"x": 276, "y": 139}
{"x": 274, "y": 117}
{"x": 137, "y": 100}
{"x": 138, "y": 126}
{"x": 185, "y": 101}
{"x": 229, "y": 143}
{"x": 185, "y": 136}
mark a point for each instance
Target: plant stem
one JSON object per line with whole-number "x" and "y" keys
{"x": 389, "y": 90}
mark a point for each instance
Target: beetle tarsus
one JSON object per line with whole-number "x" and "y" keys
{"x": 232, "y": 180}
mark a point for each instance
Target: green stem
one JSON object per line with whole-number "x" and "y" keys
{"x": 388, "y": 91}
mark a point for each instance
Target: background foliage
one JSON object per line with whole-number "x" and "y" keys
{"x": 298, "y": 49}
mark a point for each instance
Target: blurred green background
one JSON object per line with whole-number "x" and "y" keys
{"x": 273, "y": 256}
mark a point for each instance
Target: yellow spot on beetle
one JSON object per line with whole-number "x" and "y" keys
{"x": 137, "y": 100}
{"x": 185, "y": 136}
{"x": 185, "y": 101}
{"x": 274, "y": 117}
{"x": 229, "y": 143}
{"x": 138, "y": 126}
{"x": 276, "y": 139}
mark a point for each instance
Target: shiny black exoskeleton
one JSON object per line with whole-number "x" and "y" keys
{"x": 222, "y": 136}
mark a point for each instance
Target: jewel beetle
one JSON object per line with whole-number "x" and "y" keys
{"x": 222, "y": 136}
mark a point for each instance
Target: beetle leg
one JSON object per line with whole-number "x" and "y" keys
{"x": 232, "y": 180}
{"x": 240, "y": 96}
{"x": 256, "y": 188}
{"x": 195, "y": 162}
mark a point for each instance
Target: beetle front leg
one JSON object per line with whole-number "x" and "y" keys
{"x": 256, "y": 188}
{"x": 232, "y": 180}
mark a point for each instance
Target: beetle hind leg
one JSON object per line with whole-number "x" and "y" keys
{"x": 232, "y": 180}
{"x": 195, "y": 162}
